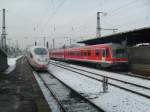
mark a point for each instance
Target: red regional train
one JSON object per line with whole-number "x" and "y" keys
{"x": 105, "y": 55}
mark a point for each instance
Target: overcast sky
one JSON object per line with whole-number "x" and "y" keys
{"x": 30, "y": 20}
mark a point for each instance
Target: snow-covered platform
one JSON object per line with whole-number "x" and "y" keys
{"x": 11, "y": 64}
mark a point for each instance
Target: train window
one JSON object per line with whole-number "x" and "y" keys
{"x": 104, "y": 52}
{"x": 40, "y": 51}
{"x": 89, "y": 52}
{"x": 97, "y": 52}
{"x": 70, "y": 53}
{"x": 120, "y": 51}
{"x": 80, "y": 53}
{"x": 107, "y": 52}
{"x": 84, "y": 53}
{"x": 77, "y": 53}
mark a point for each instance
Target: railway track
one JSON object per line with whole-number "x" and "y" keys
{"x": 126, "y": 73}
{"x": 139, "y": 89}
{"x": 64, "y": 98}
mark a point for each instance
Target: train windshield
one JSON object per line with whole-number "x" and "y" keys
{"x": 118, "y": 53}
{"x": 40, "y": 51}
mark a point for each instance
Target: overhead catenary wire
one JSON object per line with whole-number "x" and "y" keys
{"x": 130, "y": 16}
{"x": 120, "y": 8}
{"x": 53, "y": 14}
{"x": 53, "y": 5}
{"x": 113, "y": 11}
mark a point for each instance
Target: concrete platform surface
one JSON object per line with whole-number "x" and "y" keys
{"x": 19, "y": 91}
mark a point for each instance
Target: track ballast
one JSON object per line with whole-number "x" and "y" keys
{"x": 65, "y": 98}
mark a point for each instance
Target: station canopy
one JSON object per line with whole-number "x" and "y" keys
{"x": 129, "y": 38}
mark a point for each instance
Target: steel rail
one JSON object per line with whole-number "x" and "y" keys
{"x": 141, "y": 94}
{"x": 101, "y": 110}
{"x": 148, "y": 88}
{"x": 135, "y": 75}
{"x": 60, "y": 104}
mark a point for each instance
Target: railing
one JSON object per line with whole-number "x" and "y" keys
{"x": 3, "y": 60}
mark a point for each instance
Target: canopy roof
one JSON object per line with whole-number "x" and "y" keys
{"x": 133, "y": 37}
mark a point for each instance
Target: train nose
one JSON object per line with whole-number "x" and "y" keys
{"x": 42, "y": 67}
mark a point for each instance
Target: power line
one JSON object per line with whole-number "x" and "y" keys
{"x": 112, "y": 12}
{"x": 130, "y": 17}
{"x": 121, "y": 7}
{"x": 54, "y": 13}
{"x": 25, "y": 19}
{"x": 53, "y": 5}
{"x": 125, "y": 16}
{"x": 125, "y": 5}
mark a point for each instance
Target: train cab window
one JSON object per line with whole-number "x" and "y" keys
{"x": 97, "y": 52}
{"x": 40, "y": 51}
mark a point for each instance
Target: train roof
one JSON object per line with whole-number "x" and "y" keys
{"x": 90, "y": 46}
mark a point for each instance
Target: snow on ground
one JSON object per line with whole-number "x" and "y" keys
{"x": 115, "y": 100}
{"x": 131, "y": 79}
{"x": 18, "y": 57}
{"x": 128, "y": 86}
{"x": 11, "y": 64}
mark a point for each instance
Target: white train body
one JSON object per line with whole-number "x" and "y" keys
{"x": 38, "y": 57}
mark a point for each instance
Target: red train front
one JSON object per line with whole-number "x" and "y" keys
{"x": 105, "y": 55}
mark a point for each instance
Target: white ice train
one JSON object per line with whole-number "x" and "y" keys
{"x": 38, "y": 57}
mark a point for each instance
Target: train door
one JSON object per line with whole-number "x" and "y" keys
{"x": 104, "y": 55}
{"x": 97, "y": 53}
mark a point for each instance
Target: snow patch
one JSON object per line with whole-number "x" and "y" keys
{"x": 11, "y": 64}
{"x": 115, "y": 100}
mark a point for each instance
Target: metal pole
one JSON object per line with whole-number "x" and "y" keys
{"x": 3, "y": 35}
{"x": 35, "y": 43}
{"x": 44, "y": 40}
{"x": 70, "y": 42}
{"x": 98, "y": 25}
{"x": 47, "y": 45}
{"x": 53, "y": 43}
